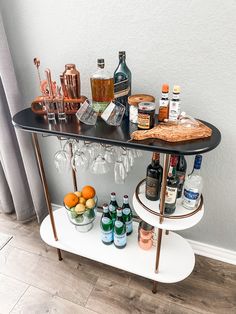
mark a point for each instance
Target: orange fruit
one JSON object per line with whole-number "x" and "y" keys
{"x": 88, "y": 192}
{"x": 70, "y": 200}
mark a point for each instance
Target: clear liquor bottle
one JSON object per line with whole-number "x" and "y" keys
{"x": 193, "y": 186}
{"x": 122, "y": 82}
{"x": 119, "y": 230}
{"x": 171, "y": 187}
{"x": 113, "y": 206}
{"x": 106, "y": 225}
{"x": 127, "y": 215}
{"x": 102, "y": 86}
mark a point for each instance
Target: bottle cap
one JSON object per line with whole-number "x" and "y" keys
{"x": 101, "y": 63}
{"x": 121, "y": 53}
{"x": 176, "y": 89}
{"x": 105, "y": 205}
{"x": 198, "y": 162}
{"x": 126, "y": 196}
{"x": 70, "y": 66}
{"x": 165, "y": 88}
{"x": 113, "y": 193}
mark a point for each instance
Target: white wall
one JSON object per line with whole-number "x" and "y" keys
{"x": 191, "y": 43}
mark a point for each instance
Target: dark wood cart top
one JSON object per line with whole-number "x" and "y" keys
{"x": 28, "y": 121}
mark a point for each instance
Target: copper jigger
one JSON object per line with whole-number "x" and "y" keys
{"x": 145, "y": 233}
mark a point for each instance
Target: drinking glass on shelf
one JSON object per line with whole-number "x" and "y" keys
{"x": 113, "y": 114}
{"x": 62, "y": 160}
{"x": 86, "y": 113}
{"x": 130, "y": 153}
{"x": 109, "y": 155}
{"x": 99, "y": 165}
{"x": 49, "y": 104}
{"x": 60, "y": 108}
{"x": 119, "y": 172}
{"x": 125, "y": 159}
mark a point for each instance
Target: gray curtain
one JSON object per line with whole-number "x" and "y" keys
{"x": 20, "y": 185}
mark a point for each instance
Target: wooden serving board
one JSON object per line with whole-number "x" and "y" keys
{"x": 171, "y": 132}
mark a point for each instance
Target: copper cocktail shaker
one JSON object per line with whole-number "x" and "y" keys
{"x": 71, "y": 81}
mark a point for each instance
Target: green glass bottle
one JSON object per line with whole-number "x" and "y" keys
{"x": 106, "y": 225}
{"x": 113, "y": 206}
{"x": 119, "y": 230}
{"x": 127, "y": 215}
{"x": 122, "y": 82}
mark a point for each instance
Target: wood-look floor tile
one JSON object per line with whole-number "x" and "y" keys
{"x": 36, "y": 301}
{"x": 10, "y": 292}
{"x": 103, "y": 271}
{"x": 54, "y": 277}
{"x": 193, "y": 294}
{"x": 110, "y": 297}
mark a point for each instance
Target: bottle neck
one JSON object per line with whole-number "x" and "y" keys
{"x": 155, "y": 159}
{"x": 119, "y": 212}
{"x": 122, "y": 59}
{"x": 172, "y": 171}
{"x": 105, "y": 209}
{"x": 164, "y": 95}
{"x": 196, "y": 171}
{"x": 126, "y": 200}
{"x": 113, "y": 197}
{"x": 175, "y": 96}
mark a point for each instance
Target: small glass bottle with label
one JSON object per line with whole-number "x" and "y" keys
{"x": 174, "y": 107}
{"x": 120, "y": 238}
{"x": 127, "y": 215}
{"x": 146, "y": 115}
{"x": 154, "y": 178}
{"x": 193, "y": 186}
{"x": 164, "y": 104}
{"x": 171, "y": 187}
{"x": 113, "y": 206}
{"x": 106, "y": 225}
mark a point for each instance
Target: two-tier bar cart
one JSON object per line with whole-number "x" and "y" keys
{"x": 173, "y": 260}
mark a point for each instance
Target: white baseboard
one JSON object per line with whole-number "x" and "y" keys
{"x": 214, "y": 252}
{"x": 204, "y": 249}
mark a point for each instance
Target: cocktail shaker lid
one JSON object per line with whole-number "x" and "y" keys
{"x": 70, "y": 66}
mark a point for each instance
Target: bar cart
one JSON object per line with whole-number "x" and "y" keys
{"x": 156, "y": 264}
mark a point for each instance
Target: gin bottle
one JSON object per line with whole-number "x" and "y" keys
{"x": 106, "y": 225}
{"x": 119, "y": 230}
{"x": 113, "y": 206}
{"x": 193, "y": 186}
{"x": 127, "y": 215}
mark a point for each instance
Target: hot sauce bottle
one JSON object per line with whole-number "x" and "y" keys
{"x": 164, "y": 104}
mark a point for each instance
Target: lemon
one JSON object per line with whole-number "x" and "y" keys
{"x": 90, "y": 203}
{"x": 80, "y": 208}
{"x": 78, "y": 193}
{"x": 82, "y": 200}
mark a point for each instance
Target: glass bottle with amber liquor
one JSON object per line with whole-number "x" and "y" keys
{"x": 102, "y": 86}
{"x": 164, "y": 104}
{"x": 154, "y": 178}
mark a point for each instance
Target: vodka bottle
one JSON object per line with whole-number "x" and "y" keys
{"x": 193, "y": 186}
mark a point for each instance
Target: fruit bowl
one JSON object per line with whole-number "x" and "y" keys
{"x": 83, "y": 221}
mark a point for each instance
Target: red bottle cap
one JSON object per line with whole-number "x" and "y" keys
{"x": 165, "y": 88}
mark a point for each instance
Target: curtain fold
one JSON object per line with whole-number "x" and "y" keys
{"x": 20, "y": 188}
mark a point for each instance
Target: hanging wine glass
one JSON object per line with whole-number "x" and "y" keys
{"x": 99, "y": 165}
{"x": 62, "y": 160}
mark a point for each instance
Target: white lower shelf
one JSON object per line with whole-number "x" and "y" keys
{"x": 176, "y": 260}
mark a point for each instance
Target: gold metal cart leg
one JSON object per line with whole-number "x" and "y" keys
{"x": 162, "y": 206}
{"x": 73, "y": 171}
{"x": 45, "y": 188}
{"x": 154, "y": 287}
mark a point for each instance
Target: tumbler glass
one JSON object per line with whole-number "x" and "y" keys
{"x": 60, "y": 108}
{"x": 49, "y": 104}
{"x": 86, "y": 113}
{"x": 113, "y": 114}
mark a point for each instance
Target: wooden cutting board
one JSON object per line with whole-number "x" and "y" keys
{"x": 173, "y": 132}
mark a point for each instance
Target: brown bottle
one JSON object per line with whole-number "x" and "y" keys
{"x": 71, "y": 78}
{"x": 164, "y": 104}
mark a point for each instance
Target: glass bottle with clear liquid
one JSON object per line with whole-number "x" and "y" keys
{"x": 193, "y": 186}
